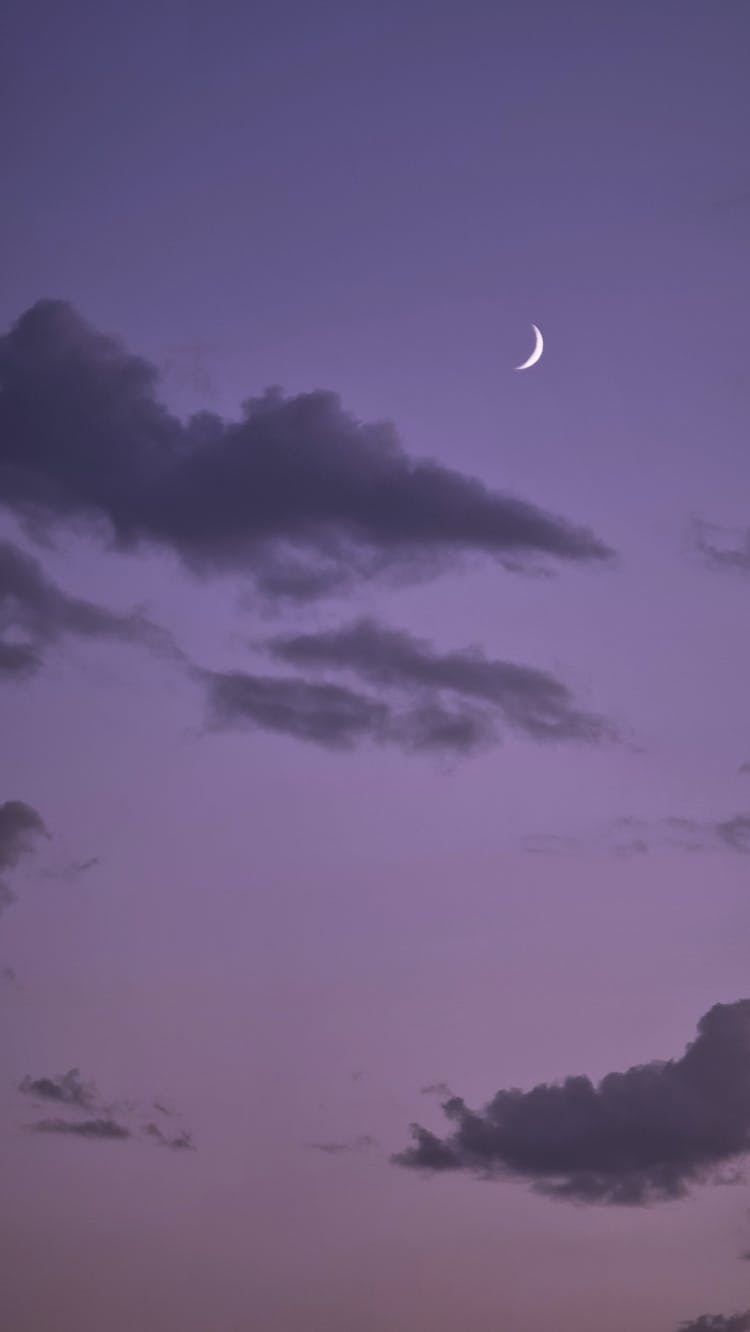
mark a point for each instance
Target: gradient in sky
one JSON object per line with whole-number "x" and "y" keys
{"x": 376, "y": 744}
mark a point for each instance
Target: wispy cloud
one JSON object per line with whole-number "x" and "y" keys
{"x": 70, "y": 1091}
{"x": 103, "y": 1128}
{"x": 631, "y": 836}
{"x": 34, "y": 609}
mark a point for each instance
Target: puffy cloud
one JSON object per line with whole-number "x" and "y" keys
{"x": 636, "y": 1137}
{"x": 296, "y": 493}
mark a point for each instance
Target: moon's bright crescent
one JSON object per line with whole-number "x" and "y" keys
{"x": 538, "y": 349}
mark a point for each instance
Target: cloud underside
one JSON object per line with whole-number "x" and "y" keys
{"x": 35, "y": 613}
{"x": 637, "y": 1137}
{"x": 424, "y": 700}
{"x": 296, "y": 494}
{"x": 20, "y": 826}
{"x": 721, "y": 547}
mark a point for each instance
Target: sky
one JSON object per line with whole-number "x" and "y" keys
{"x": 375, "y": 801}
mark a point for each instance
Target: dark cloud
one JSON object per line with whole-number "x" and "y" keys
{"x": 67, "y": 1089}
{"x": 296, "y": 493}
{"x": 437, "y": 1089}
{"x": 8, "y": 976}
{"x": 338, "y": 717}
{"x": 83, "y": 1128}
{"x": 637, "y": 1137}
{"x": 32, "y": 606}
{"x": 739, "y": 1322}
{"x": 20, "y": 825}
{"x": 529, "y": 700}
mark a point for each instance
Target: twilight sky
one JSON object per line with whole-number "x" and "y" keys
{"x": 375, "y": 803}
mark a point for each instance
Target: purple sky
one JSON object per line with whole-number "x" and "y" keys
{"x": 283, "y": 938}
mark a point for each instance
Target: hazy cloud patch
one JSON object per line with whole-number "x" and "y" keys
{"x": 35, "y": 610}
{"x": 20, "y": 826}
{"x": 67, "y": 1089}
{"x": 105, "y": 1119}
{"x": 82, "y": 1128}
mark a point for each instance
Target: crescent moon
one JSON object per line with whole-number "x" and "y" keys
{"x": 538, "y": 349}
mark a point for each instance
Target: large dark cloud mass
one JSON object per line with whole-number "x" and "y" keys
{"x": 20, "y": 825}
{"x": 527, "y": 699}
{"x": 34, "y": 608}
{"x": 297, "y": 493}
{"x": 637, "y": 1137}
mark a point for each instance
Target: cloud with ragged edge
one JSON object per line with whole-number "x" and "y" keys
{"x": 102, "y": 1128}
{"x": 637, "y": 1137}
{"x": 177, "y": 1142}
{"x": 35, "y": 613}
{"x": 20, "y": 827}
{"x": 297, "y": 494}
{"x": 104, "y": 1121}
{"x": 452, "y": 702}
